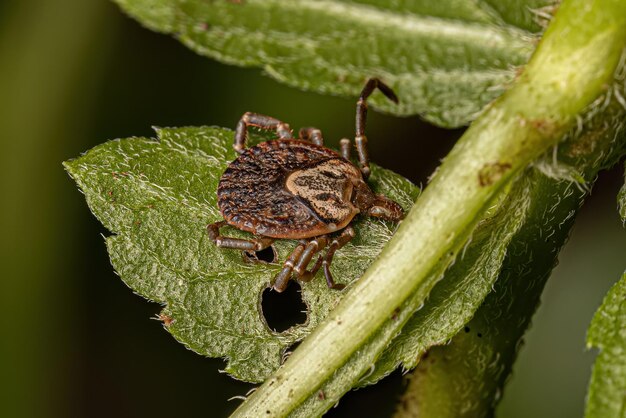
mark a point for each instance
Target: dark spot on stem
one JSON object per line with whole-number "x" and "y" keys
{"x": 545, "y": 127}
{"x": 492, "y": 172}
{"x": 395, "y": 313}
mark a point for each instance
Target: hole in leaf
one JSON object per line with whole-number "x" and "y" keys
{"x": 283, "y": 310}
{"x": 267, "y": 255}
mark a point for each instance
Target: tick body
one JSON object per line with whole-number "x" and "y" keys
{"x": 298, "y": 189}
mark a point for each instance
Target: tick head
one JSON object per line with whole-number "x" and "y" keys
{"x": 375, "y": 205}
{"x": 386, "y": 208}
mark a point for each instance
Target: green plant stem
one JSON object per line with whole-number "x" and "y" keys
{"x": 571, "y": 67}
{"x": 465, "y": 377}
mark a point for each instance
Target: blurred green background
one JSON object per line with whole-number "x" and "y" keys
{"x": 77, "y": 342}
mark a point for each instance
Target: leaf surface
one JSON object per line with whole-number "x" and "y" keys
{"x": 607, "y": 332}
{"x": 445, "y": 59}
{"x": 158, "y": 196}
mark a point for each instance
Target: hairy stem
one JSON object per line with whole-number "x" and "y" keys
{"x": 465, "y": 377}
{"x": 571, "y": 67}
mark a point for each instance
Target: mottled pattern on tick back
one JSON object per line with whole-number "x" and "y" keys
{"x": 287, "y": 189}
{"x": 326, "y": 189}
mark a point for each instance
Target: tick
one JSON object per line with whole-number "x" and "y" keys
{"x": 298, "y": 189}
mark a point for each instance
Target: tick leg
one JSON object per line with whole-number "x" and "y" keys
{"x": 256, "y": 244}
{"x": 282, "y": 279}
{"x": 344, "y": 145}
{"x": 361, "y": 117}
{"x": 262, "y": 122}
{"x": 346, "y": 235}
{"x": 309, "y": 274}
{"x": 313, "y": 247}
{"x": 311, "y": 134}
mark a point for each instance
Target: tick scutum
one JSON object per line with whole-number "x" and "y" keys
{"x": 287, "y": 189}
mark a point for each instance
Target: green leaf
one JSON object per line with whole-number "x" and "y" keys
{"x": 445, "y": 59}
{"x": 157, "y": 198}
{"x": 526, "y": 14}
{"x": 607, "y": 332}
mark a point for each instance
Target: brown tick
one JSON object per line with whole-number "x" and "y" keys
{"x": 298, "y": 189}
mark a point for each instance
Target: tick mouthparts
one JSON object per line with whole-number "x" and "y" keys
{"x": 386, "y": 208}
